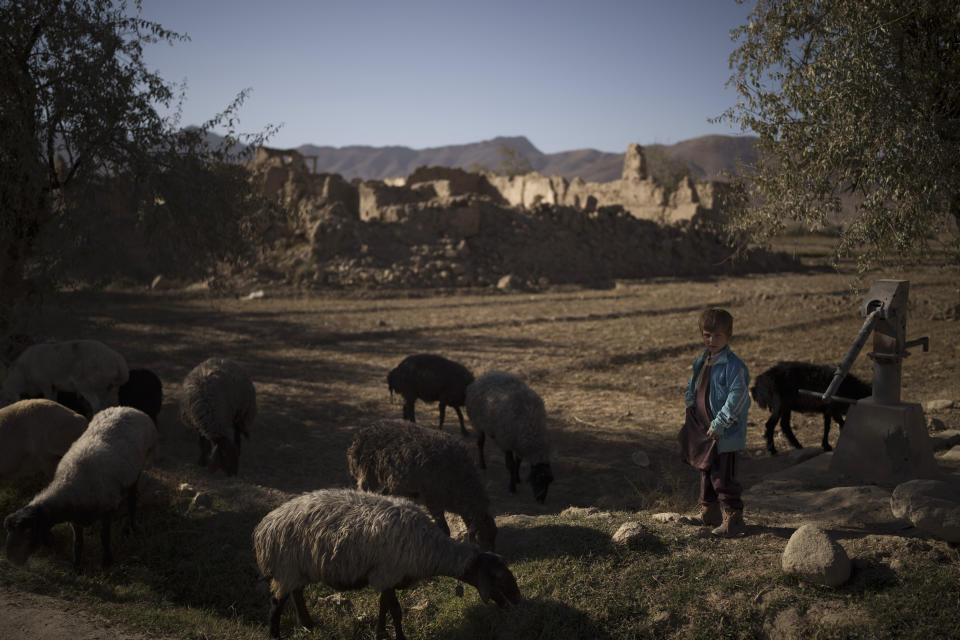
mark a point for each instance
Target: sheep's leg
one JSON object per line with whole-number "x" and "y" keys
{"x": 443, "y": 413}
{"x": 77, "y": 547}
{"x": 787, "y": 431}
{"x": 132, "y": 506}
{"x": 826, "y": 432}
{"x": 389, "y": 602}
{"x": 463, "y": 428}
{"x": 409, "y": 413}
{"x": 276, "y": 609}
{"x": 105, "y": 540}
{"x": 303, "y": 616}
{"x": 205, "y": 447}
{"x": 512, "y": 469}
{"x": 441, "y": 520}
{"x": 768, "y": 432}
{"x": 480, "y": 439}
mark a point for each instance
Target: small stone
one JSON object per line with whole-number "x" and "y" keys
{"x": 666, "y": 517}
{"x": 632, "y": 534}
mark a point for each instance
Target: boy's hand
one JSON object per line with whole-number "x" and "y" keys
{"x": 713, "y": 434}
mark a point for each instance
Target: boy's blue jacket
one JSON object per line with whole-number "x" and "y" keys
{"x": 729, "y": 398}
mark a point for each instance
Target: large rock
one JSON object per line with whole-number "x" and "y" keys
{"x": 813, "y": 556}
{"x": 933, "y": 506}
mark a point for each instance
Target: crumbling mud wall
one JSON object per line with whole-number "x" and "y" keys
{"x": 445, "y": 227}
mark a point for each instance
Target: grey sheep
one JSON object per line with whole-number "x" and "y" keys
{"x": 95, "y": 476}
{"x": 34, "y": 435}
{"x": 348, "y": 539}
{"x": 501, "y": 406}
{"x": 219, "y": 401}
{"x": 430, "y": 378}
{"x": 398, "y": 458}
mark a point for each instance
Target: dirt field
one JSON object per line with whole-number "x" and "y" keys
{"x": 610, "y": 364}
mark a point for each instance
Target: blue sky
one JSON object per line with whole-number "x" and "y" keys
{"x": 566, "y": 74}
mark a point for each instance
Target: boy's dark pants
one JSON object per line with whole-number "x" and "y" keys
{"x": 719, "y": 482}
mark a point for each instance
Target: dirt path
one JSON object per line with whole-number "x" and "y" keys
{"x": 30, "y": 616}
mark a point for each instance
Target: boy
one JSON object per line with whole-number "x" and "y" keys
{"x": 718, "y": 390}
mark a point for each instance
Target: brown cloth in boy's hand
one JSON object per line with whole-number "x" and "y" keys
{"x": 697, "y": 448}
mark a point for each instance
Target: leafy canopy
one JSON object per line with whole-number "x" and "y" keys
{"x": 852, "y": 98}
{"x": 84, "y": 149}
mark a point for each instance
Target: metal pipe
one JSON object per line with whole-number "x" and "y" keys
{"x": 844, "y": 368}
{"x": 819, "y": 396}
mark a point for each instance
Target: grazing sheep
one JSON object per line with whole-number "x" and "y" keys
{"x": 142, "y": 390}
{"x": 34, "y": 435}
{"x": 86, "y": 367}
{"x": 430, "y": 378}
{"x": 512, "y": 414}
{"x": 348, "y": 539}
{"x": 70, "y": 399}
{"x": 95, "y": 476}
{"x": 219, "y": 401}
{"x": 398, "y": 458}
{"x": 777, "y": 389}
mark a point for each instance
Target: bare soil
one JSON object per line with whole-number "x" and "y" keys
{"x": 611, "y": 365}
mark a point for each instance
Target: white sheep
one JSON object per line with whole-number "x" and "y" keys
{"x": 220, "y": 402}
{"x": 501, "y": 406}
{"x": 398, "y": 458}
{"x": 86, "y": 367}
{"x": 348, "y": 539}
{"x": 34, "y": 435}
{"x": 95, "y": 476}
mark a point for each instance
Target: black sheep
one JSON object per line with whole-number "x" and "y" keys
{"x": 430, "y": 378}
{"x": 777, "y": 389}
{"x": 142, "y": 390}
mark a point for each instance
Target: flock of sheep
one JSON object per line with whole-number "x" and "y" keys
{"x": 74, "y": 412}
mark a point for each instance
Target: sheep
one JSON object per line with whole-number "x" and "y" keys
{"x": 98, "y": 472}
{"x": 348, "y": 539}
{"x": 69, "y": 399}
{"x": 512, "y": 414}
{"x": 398, "y": 458}
{"x": 777, "y": 389}
{"x": 431, "y": 378}
{"x": 219, "y": 401}
{"x": 87, "y": 367}
{"x": 142, "y": 390}
{"x": 34, "y": 435}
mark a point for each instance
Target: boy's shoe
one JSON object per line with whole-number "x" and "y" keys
{"x": 710, "y": 514}
{"x": 733, "y": 524}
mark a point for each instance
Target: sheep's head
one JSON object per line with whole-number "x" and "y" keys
{"x": 540, "y": 479}
{"x": 225, "y": 455}
{"x": 493, "y": 580}
{"x": 393, "y": 381}
{"x": 26, "y": 529}
{"x": 484, "y": 532}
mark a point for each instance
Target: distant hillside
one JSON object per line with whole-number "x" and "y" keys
{"x": 707, "y": 157}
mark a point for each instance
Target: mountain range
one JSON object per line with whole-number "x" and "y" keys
{"x": 707, "y": 157}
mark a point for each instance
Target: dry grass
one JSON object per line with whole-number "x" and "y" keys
{"x": 611, "y": 366}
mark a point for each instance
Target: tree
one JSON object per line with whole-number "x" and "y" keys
{"x": 81, "y": 137}
{"x": 512, "y": 162}
{"x": 852, "y": 97}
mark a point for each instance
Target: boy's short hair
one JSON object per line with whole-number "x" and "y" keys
{"x": 718, "y": 320}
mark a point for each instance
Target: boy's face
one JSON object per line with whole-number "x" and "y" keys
{"x": 715, "y": 341}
